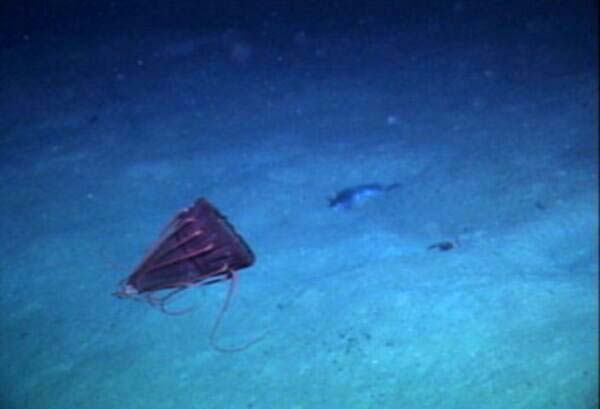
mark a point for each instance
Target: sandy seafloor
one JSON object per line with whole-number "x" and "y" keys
{"x": 492, "y": 138}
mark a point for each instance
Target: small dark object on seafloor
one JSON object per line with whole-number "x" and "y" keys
{"x": 198, "y": 247}
{"x": 443, "y": 246}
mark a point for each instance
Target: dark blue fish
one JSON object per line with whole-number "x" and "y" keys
{"x": 352, "y": 196}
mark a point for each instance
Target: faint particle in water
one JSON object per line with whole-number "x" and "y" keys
{"x": 392, "y": 120}
{"x": 240, "y": 53}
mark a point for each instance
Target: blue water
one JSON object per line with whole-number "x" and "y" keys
{"x": 115, "y": 117}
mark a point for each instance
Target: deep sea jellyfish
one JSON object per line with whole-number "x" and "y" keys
{"x": 198, "y": 247}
